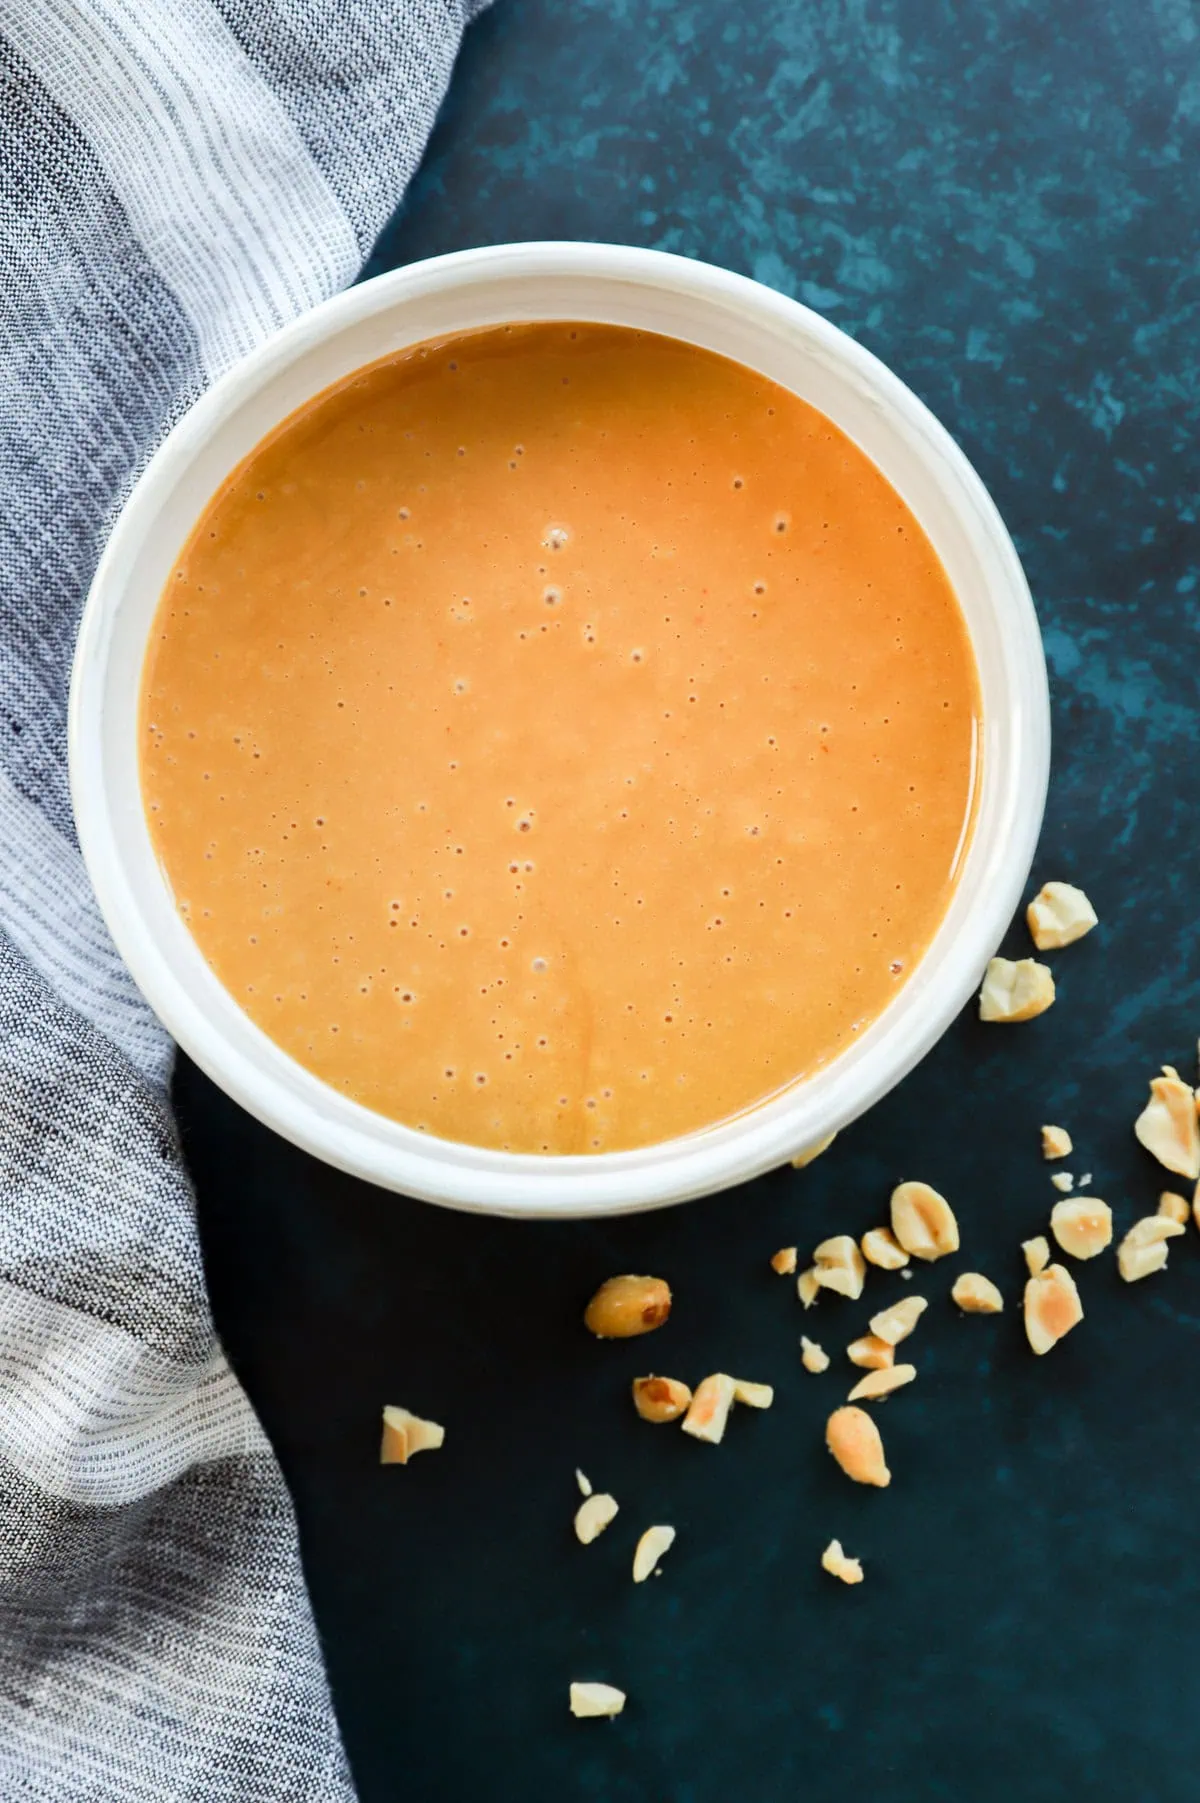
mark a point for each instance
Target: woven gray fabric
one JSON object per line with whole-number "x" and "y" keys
{"x": 180, "y": 177}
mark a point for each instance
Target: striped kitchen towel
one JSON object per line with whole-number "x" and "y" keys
{"x": 177, "y": 179}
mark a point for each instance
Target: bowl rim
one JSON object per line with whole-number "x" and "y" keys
{"x": 355, "y": 1139}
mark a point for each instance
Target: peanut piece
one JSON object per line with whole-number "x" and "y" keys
{"x": 1196, "y": 1205}
{"x": 834, "y": 1561}
{"x": 625, "y": 1306}
{"x": 854, "y": 1440}
{"x": 813, "y": 1357}
{"x": 1014, "y": 991}
{"x": 1174, "y": 1207}
{"x": 593, "y": 1516}
{"x": 897, "y": 1322}
{"x": 660, "y": 1398}
{"x": 1063, "y": 1180}
{"x": 584, "y": 1482}
{"x": 650, "y": 1549}
{"x": 405, "y": 1434}
{"x": 1037, "y": 1254}
{"x": 839, "y": 1266}
{"x": 1052, "y": 1307}
{"x": 784, "y": 1261}
{"x": 976, "y": 1294}
{"x": 881, "y": 1247}
{"x": 881, "y": 1383}
{"x": 1082, "y": 1226}
{"x": 709, "y": 1411}
{"x": 753, "y": 1396}
{"x": 923, "y": 1221}
{"x": 1144, "y": 1248}
{"x": 1167, "y": 1125}
{"x": 1056, "y": 1142}
{"x": 808, "y": 1286}
{"x": 813, "y": 1151}
{"x": 1059, "y": 915}
{"x": 596, "y": 1699}
{"x": 871, "y": 1352}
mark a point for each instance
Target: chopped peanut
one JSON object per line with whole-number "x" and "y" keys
{"x": 1082, "y": 1226}
{"x": 923, "y": 1221}
{"x": 660, "y": 1398}
{"x": 976, "y": 1294}
{"x": 709, "y": 1412}
{"x": 593, "y": 1516}
{"x": 1144, "y": 1248}
{"x": 871, "y": 1352}
{"x": 814, "y": 1151}
{"x": 1167, "y": 1125}
{"x": 405, "y": 1434}
{"x": 1015, "y": 991}
{"x": 808, "y": 1286}
{"x": 1052, "y": 1307}
{"x": 881, "y": 1247}
{"x": 1196, "y": 1205}
{"x": 596, "y": 1699}
{"x": 1063, "y": 1180}
{"x": 753, "y": 1396}
{"x": 1056, "y": 1142}
{"x": 1085, "y": 1180}
{"x": 1174, "y": 1207}
{"x": 854, "y": 1440}
{"x": 1059, "y": 915}
{"x": 625, "y": 1306}
{"x": 650, "y": 1549}
{"x": 813, "y": 1357}
{"x": 784, "y": 1261}
{"x": 835, "y": 1562}
{"x": 897, "y": 1322}
{"x": 839, "y": 1266}
{"x": 584, "y": 1482}
{"x": 881, "y": 1383}
{"x": 1037, "y": 1254}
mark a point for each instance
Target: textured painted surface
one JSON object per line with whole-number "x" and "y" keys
{"x": 999, "y": 200}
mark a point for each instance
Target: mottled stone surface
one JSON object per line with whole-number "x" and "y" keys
{"x": 999, "y": 199}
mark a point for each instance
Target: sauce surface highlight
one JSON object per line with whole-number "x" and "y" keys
{"x": 559, "y": 738}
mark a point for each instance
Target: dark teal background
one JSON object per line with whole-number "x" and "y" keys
{"x": 1000, "y": 200}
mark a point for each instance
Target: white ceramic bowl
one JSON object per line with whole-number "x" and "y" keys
{"x": 705, "y": 306}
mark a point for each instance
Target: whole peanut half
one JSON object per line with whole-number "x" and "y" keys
{"x": 923, "y": 1221}
{"x": 855, "y": 1442}
{"x": 660, "y": 1398}
{"x": 625, "y": 1306}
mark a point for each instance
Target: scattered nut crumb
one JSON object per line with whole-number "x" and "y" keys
{"x": 976, "y": 1294}
{"x": 660, "y": 1398}
{"x": 1056, "y": 1143}
{"x": 839, "y": 1266}
{"x": 1167, "y": 1125}
{"x": 897, "y": 1322}
{"x": 1144, "y": 1248}
{"x": 881, "y": 1383}
{"x": 1085, "y": 1180}
{"x": 811, "y": 1152}
{"x": 625, "y": 1306}
{"x": 405, "y": 1434}
{"x": 593, "y": 1516}
{"x": 1082, "y": 1226}
{"x": 923, "y": 1221}
{"x": 1014, "y": 991}
{"x": 834, "y": 1561}
{"x": 881, "y": 1247}
{"x": 650, "y": 1549}
{"x": 596, "y": 1699}
{"x": 808, "y": 1286}
{"x": 710, "y": 1406}
{"x": 1063, "y": 1180}
{"x": 1037, "y": 1254}
{"x": 1059, "y": 915}
{"x": 871, "y": 1352}
{"x": 753, "y": 1396}
{"x": 784, "y": 1261}
{"x": 1052, "y": 1307}
{"x": 584, "y": 1482}
{"x": 813, "y": 1357}
{"x": 1174, "y": 1207}
{"x": 855, "y": 1442}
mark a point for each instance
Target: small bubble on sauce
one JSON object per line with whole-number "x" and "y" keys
{"x": 539, "y": 965}
{"x": 555, "y": 538}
